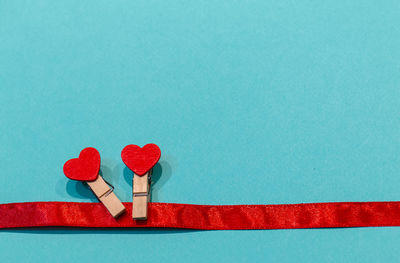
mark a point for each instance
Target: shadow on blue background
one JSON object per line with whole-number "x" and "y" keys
{"x": 90, "y": 231}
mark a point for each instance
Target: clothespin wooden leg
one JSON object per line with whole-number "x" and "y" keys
{"x": 141, "y": 195}
{"x": 106, "y": 195}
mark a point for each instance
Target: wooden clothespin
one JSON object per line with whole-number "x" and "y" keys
{"x": 141, "y": 161}
{"x": 86, "y": 168}
{"x": 141, "y": 195}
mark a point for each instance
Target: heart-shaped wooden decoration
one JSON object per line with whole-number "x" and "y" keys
{"x": 84, "y": 168}
{"x": 140, "y": 160}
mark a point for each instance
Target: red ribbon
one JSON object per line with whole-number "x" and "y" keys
{"x": 205, "y": 217}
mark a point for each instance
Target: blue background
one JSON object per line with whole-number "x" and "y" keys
{"x": 251, "y": 102}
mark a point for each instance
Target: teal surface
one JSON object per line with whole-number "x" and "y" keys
{"x": 251, "y": 102}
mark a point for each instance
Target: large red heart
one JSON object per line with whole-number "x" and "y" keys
{"x": 141, "y": 160}
{"x": 84, "y": 168}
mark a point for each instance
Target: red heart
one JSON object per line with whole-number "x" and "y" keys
{"x": 84, "y": 168}
{"x": 141, "y": 160}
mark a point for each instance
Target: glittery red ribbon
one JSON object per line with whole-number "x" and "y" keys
{"x": 206, "y": 217}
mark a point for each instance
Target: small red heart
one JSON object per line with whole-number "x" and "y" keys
{"x": 141, "y": 160}
{"x": 84, "y": 168}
